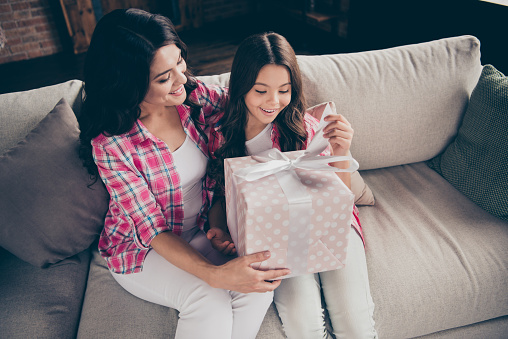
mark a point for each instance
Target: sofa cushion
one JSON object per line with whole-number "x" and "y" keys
{"x": 22, "y": 111}
{"x": 47, "y": 212}
{"x": 435, "y": 259}
{"x": 405, "y": 103}
{"x": 41, "y": 303}
{"x": 476, "y": 162}
{"x": 145, "y": 320}
{"x": 493, "y": 328}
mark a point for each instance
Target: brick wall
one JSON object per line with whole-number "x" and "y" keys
{"x": 29, "y": 30}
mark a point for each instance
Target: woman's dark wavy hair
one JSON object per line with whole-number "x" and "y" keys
{"x": 254, "y": 53}
{"x": 116, "y": 74}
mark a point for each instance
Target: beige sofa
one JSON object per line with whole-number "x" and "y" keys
{"x": 438, "y": 263}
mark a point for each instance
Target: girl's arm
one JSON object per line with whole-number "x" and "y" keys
{"x": 340, "y": 135}
{"x": 218, "y": 233}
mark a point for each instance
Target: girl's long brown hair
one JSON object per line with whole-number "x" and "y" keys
{"x": 254, "y": 53}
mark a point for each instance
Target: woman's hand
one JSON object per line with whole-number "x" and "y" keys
{"x": 235, "y": 275}
{"x": 221, "y": 241}
{"x": 238, "y": 275}
{"x": 339, "y": 133}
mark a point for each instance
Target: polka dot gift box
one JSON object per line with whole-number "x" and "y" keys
{"x": 302, "y": 216}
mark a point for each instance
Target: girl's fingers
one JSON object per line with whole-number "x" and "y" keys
{"x": 337, "y": 117}
{"x": 338, "y": 125}
{"x": 339, "y": 134}
{"x": 334, "y": 141}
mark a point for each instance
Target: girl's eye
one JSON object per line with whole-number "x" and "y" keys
{"x": 261, "y": 92}
{"x": 284, "y": 92}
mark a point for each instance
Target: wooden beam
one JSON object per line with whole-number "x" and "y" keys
{"x": 80, "y": 20}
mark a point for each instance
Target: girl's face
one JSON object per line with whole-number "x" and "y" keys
{"x": 166, "y": 78}
{"x": 270, "y": 94}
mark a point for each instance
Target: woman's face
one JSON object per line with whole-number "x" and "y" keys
{"x": 270, "y": 94}
{"x": 167, "y": 78}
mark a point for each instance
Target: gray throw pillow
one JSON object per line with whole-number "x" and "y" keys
{"x": 47, "y": 211}
{"x": 476, "y": 162}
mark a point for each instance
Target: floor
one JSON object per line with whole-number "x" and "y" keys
{"x": 211, "y": 51}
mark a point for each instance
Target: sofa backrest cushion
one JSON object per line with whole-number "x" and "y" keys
{"x": 404, "y": 103}
{"x": 22, "y": 111}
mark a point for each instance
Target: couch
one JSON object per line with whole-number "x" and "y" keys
{"x": 436, "y": 234}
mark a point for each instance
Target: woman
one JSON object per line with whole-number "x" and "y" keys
{"x": 141, "y": 133}
{"x": 266, "y": 110}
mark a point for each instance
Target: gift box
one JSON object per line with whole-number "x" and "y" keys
{"x": 301, "y": 215}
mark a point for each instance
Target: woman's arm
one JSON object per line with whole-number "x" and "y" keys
{"x": 134, "y": 199}
{"x": 236, "y": 275}
{"x": 213, "y": 100}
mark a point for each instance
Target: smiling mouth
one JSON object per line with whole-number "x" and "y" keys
{"x": 269, "y": 111}
{"x": 179, "y": 91}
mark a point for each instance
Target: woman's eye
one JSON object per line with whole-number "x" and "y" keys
{"x": 164, "y": 80}
{"x": 261, "y": 92}
{"x": 284, "y": 92}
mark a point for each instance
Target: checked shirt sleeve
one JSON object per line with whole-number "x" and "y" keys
{"x": 213, "y": 100}
{"x": 136, "y": 209}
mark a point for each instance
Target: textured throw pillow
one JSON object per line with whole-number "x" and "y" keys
{"x": 362, "y": 192}
{"x": 47, "y": 212}
{"x": 476, "y": 162}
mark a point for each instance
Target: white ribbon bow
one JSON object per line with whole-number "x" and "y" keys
{"x": 273, "y": 161}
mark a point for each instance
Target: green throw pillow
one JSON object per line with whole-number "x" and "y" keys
{"x": 476, "y": 162}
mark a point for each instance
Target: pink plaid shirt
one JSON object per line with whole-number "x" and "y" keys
{"x": 216, "y": 140}
{"x": 145, "y": 190}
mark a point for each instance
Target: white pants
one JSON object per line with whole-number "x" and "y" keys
{"x": 347, "y": 296}
{"x": 205, "y": 312}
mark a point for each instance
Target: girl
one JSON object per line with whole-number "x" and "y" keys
{"x": 141, "y": 134}
{"x": 265, "y": 110}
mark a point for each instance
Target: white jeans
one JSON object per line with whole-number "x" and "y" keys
{"x": 347, "y": 296}
{"x": 205, "y": 312}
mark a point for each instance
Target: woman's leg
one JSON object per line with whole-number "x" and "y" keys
{"x": 205, "y": 312}
{"x": 298, "y": 301}
{"x": 347, "y": 295}
{"x": 248, "y": 309}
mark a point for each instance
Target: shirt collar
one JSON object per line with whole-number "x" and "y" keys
{"x": 140, "y": 133}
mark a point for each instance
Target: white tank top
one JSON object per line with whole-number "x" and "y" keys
{"x": 261, "y": 142}
{"x": 190, "y": 164}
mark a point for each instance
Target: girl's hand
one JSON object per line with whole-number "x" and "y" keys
{"x": 339, "y": 133}
{"x": 221, "y": 241}
{"x": 238, "y": 275}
